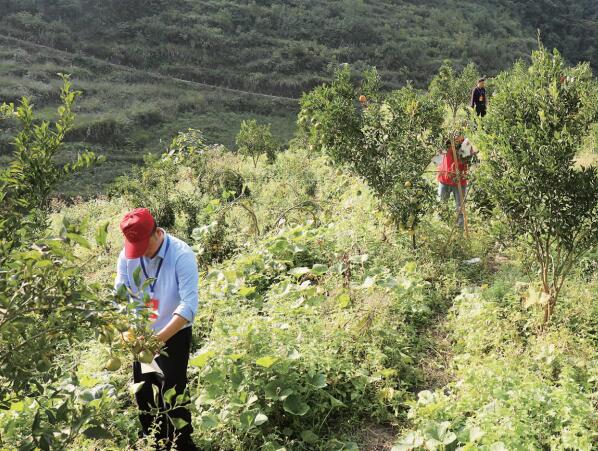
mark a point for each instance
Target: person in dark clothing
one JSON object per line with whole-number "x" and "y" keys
{"x": 479, "y": 100}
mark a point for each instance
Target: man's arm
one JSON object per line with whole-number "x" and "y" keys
{"x": 174, "y": 325}
{"x": 122, "y": 276}
{"x": 186, "y": 270}
{"x": 472, "y": 102}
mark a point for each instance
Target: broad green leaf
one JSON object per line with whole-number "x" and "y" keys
{"x": 102, "y": 233}
{"x": 334, "y": 402}
{"x": 319, "y": 269}
{"x": 277, "y": 389}
{"x": 298, "y": 272}
{"x": 343, "y": 300}
{"x": 234, "y": 357}
{"x": 247, "y": 418}
{"x": 201, "y": 358}
{"x": 308, "y": 436}
{"x": 208, "y": 421}
{"x": 137, "y": 276}
{"x": 88, "y": 381}
{"x": 295, "y": 405}
{"x": 266, "y": 361}
{"x": 318, "y": 380}
{"x": 178, "y": 423}
{"x": 78, "y": 239}
{"x": 260, "y": 419}
{"x": 246, "y": 291}
{"x": 169, "y": 394}
{"x": 17, "y": 406}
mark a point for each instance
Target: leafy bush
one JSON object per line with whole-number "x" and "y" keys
{"x": 539, "y": 117}
{"x": 389, "y": 141}
{"x": 255, "y": 140}
{"x": 46, "y": 304}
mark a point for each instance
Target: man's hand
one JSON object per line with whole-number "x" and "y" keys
{"x": 174, "y": 325}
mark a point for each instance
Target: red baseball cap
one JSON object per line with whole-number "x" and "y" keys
{"x": 137, "y": 227}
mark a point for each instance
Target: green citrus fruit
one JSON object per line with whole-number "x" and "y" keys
{"x": 43, "y": 365}
{"x": 146, "y": 356}
{"x": 113, "y": 364}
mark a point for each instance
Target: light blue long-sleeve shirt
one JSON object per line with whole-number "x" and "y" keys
{"x": 177, "y": 284}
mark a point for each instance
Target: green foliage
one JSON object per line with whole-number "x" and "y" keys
{"x": 255, "y": 139}
{"x": 452, "y": 88}
{"x": 508, "y": 379}
{"x": 540, "y": 115}
{"x": 389, "y": 141}
{"x": 46, "y": 306}
{"x": 286, "y": 48}
{"x": 288, "y": 355}
{"x": 33, "y": 174}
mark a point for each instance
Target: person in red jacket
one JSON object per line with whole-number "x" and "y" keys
{"x": 452, "y": 177}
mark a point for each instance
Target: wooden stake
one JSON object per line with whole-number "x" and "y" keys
{"x": 460, "y": 188}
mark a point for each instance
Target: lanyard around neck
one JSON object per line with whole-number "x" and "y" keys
{"x": 153, "y": 284}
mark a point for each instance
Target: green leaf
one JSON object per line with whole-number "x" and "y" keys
{"x": 169, "y": 394}
{"x": 102, "y": 233}
{"x": 318, "y": 380}
{"x": 295, "y": 405}
{"x": 246, "y": 291}
{"x": 343, "y": 300}
{"x": 146, "y": 283}
{"x": 137, "y": 276}
{"x": 266, "y": 361}
{"x": 300, "y": 271}
{"x": 308, "y": 436}
{"x": 319, "y": 269}
{"x": 260, "y": 419}
{"x": 276, "y": 389}
{"x": 247, "y": 418}
{"x": 17, "y": 406}
{"x": 208, "y": 421}
{"x": 96, "y": 432}
{"x": 178, "y": 423}
{"x": 202, "y": 358}
{"x": 335, "y": 402}
{"x": 78, "y": 239}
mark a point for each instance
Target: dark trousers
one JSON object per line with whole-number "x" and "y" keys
{"x": 174, "y": 368}
{"x": 480, "y": 110}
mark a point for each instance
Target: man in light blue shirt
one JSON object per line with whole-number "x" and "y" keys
{"x": 171, "y": 265}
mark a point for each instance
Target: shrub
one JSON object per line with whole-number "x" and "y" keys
{"x": 539, "y": 117}
{"x": 389, "y": 141}
{"x": 254, "y": 140}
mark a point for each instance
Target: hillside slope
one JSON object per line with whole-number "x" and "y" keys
{"x": 124, "y": 114}
{"x": 287, "y": 47}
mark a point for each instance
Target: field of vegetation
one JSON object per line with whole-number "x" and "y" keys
{"x": 341, "y": 308}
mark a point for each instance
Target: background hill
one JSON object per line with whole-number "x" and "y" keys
{"x": 285, "y": 47}
{"x": 274, "y": 47}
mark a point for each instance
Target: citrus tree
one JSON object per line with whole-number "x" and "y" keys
{"x": 255, "y": 140}
{"x": 454, "y": 88}
{"x": 46, "y": 306}
{"x": 388, "y": 139}
{"x": 540, "y": 115}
